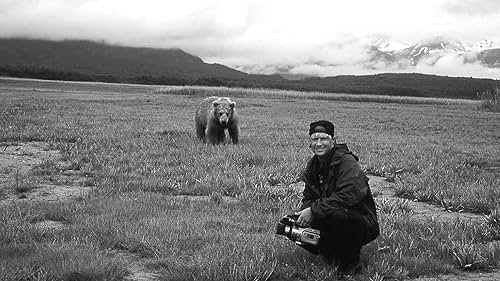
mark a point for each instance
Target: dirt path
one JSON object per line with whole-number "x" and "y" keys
{"x": 383, "y": 189}
{"x": 18, "y": 183}
{"x": 19, "y": 180}
{"x": 19, "y": 161}
{"x": 424, "y": 211}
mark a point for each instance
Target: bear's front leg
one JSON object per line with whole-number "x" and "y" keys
{"x": 234, "y": 133}
{"x": 211, "y": 137}
{"x": 200, "y": 133}
{"x": 215, "y": 135}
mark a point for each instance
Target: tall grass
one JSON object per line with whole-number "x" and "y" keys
{"x": 198, "y": 91}
{"x": 139, "y": 147}
{"x": 490, "y": 100}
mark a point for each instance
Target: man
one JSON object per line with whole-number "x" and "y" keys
{"x": 337, "y": 200}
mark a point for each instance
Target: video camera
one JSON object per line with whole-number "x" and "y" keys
{"x": 308, "y": 238}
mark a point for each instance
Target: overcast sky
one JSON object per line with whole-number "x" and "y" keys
{"x": 321, "y": 37}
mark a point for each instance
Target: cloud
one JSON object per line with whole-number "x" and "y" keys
{"x": 473, "y": 7}
{"x": 208, "y": 24}
{"x": 151, "y": 22}
{"x": 322, "y": 36}
{"x": 452, "y": 64}
{"x": 458, "y": 65}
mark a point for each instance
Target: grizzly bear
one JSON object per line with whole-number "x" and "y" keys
{"x": 213, "y": 116}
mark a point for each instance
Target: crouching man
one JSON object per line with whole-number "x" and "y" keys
{"x": 337, "y": 200}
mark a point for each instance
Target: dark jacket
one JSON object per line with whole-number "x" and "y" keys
{"x": 338, "y": 186}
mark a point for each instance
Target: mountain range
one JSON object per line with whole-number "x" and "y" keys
{"x": 430, "y": 52}
{"x": 90, "y": 58}
{"x": 98, "y": 61}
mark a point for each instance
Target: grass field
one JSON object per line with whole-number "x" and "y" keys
{"x": 138, "y": 145}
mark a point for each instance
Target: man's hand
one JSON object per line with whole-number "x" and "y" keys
{"x": 305, "y": 217}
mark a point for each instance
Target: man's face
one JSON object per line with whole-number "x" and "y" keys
{"x": 321, "y": 143}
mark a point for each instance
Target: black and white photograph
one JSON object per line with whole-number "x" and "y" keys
{"x": 249, "y": 140}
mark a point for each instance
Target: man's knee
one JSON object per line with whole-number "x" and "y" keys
{"x": 337, "y": 218}
{"x": 343, "y": 225}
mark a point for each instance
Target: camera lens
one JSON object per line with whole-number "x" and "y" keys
{"x": 280, "y": 228}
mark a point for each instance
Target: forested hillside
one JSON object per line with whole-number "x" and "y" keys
{"x": 92, "y": 61}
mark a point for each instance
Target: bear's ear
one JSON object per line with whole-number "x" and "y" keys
{"x": 215, "y": 103}
{"x": 232, "y": 104}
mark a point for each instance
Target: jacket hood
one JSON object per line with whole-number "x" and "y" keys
{"x": 340, "y": 150}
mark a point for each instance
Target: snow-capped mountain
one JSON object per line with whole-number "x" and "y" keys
{"x": 431, "y": 51}
{"x": 388, "y": 45}
{"x": 484, "y": 45}
{"x": 384, "y": 54}
{"x": 436, "y": 45}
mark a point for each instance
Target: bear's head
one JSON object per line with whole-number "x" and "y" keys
{"x": 223, "y": 110}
